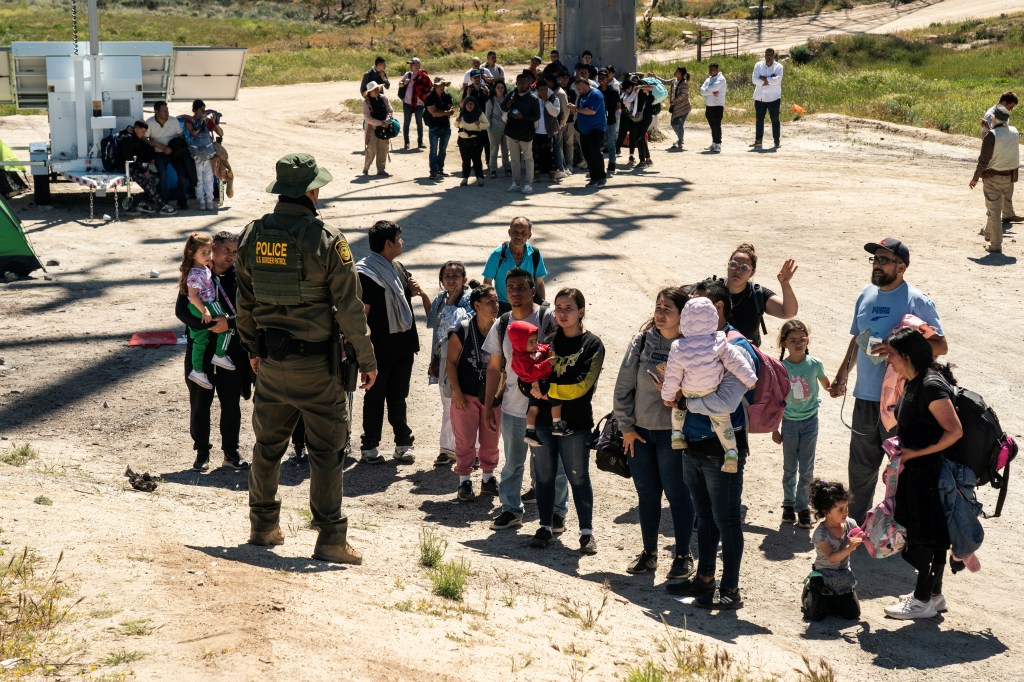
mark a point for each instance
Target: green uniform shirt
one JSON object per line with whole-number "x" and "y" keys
{"x": 331, "y": 264}
{"x": 802, "y": 401}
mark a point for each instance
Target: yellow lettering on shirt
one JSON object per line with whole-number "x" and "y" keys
{"x": 271, "y": 253}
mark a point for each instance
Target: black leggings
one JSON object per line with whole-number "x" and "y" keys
{"x": 638, "y": 137}
{"x": 714, "y": 116}
{"x": 471, "y": 150}
{"x": 930, "y": 563}
{"x": 816, "y": 605}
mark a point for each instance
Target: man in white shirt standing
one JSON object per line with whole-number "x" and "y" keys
{"x": 1008, "y": 100}
{"x": 713, "y": 91}
{"x": 767, "y": 80}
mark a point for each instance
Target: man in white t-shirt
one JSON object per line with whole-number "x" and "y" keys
{"x": 467, "y": 78}
{"x": 492, "y": 67}
{"x": 1008, "y": 100}
{"x": 519, "y": 288}
{"x": 162, "y": 129}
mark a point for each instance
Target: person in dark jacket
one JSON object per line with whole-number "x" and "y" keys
{"x": 138, "y": 154}
{"x": 378, "y": 74}
{"x": 926, "y": 425}
{"x": 523, "y": 110}
{"x": 230, "y": 387}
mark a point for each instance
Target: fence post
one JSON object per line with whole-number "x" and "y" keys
{"x": 541, "y": 50}
{"x": 700, "y": 40}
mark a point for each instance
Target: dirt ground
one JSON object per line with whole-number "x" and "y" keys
{"x": 884, "y": 17}
{"x": 90, "y": 405}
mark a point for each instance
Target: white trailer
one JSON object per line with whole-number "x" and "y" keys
{"x": 92, "y": 89}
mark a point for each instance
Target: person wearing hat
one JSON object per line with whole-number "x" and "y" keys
{"x": 413, "y": 90}
{"x": 485, "y": 74}
{"x": 879, "y": 309}
{"x": 440, "y": 109}
{"x": 138, "y": 154}
{"x": 377, "y": 113}
{"x": 1008, "y": 100}
{"x": 297, "y": 291}
{"x": 997, "y": 168}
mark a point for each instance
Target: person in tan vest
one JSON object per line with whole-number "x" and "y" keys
{"x": 997, "y": 168}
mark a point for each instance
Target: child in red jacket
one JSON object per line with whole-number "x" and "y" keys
{"x": 531, "y": 362}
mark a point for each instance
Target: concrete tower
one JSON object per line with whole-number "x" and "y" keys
{"x": 605, "y": 27}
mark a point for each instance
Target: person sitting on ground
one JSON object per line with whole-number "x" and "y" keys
{"x": 517, "y": 252}
{"x": 531, "y": 361}
{"x": 832, "y": 589}
{"x": 696, "y": 365}
{"x": 196, "y": 282}
{"x": 750, "y": 302}
{"x": 473, "y": 127}
{"x": 377, "y": 113}
{"x": 137, "y": 153}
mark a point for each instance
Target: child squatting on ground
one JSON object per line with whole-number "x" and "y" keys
{"x": 799, "y": 432}
{"x": 831, "y": 589}
{"x": 696, "y": 365}
{"x": 531, "y": 362}
{"x": 197, "y": 283}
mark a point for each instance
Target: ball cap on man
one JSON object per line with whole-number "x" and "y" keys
{"x": 414, "y": 60}
{"x": 298, "y": 174}
{"x": 898, "y": 248}
{"x": 1001, "y": 113}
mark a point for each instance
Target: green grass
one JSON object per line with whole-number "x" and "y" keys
{"x": 909, "y": 79}
{"x": 449, "y": 579}
{"x": 44, "y": 501}
{"x": 121, "y": 657}
{"x": 19, "y": 455}
{"x": 139, "y": 627}
{"x": 737, "y": 9}
{"x": 432, "y": 547}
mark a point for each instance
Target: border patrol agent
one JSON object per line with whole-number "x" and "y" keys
{"x": 997, "y": 168}
{"x": 297, "y": 288}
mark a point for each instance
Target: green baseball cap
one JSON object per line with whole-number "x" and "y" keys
{"x": 298, "y": 174}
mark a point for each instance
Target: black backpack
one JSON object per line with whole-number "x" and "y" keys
{"x": 606, "y": 439}
{"x": 536, "y": 263}
{"x": 109, "y": 149}
{"x": 984, "y": 447}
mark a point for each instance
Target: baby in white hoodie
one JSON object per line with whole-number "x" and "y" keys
{"x": 696, "y": 364}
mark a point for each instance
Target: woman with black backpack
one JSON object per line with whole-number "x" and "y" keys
{"x": 646, "y": 426}
{"x": 926, "y": 425}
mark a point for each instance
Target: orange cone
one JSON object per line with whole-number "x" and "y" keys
{"x": 797, "y": 109}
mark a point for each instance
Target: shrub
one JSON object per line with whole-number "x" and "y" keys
{"x": 449, "y": 579}
{"x": 432, "y": 548}
{"x": 801, "y": 54}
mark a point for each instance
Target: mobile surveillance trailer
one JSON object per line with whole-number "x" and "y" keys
{"x": 94, "y": 89}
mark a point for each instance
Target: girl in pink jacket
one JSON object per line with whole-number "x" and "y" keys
{"x": 696, "y": 365}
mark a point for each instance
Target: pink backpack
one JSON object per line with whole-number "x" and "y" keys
{"x": 765, "y": 410}
{"x": 883, "y": 537}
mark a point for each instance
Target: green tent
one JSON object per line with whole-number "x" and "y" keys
{"x": 16, "y": 254}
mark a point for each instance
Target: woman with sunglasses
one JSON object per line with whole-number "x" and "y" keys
{"x": 751, "y": 302}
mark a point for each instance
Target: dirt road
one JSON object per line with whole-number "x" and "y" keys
{"x": 219, "y": 609}
{"x": 885, "y": 17}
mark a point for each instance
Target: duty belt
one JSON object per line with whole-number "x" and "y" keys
{"x": 308, "y": 348}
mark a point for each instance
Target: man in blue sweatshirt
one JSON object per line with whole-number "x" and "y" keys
{"x": 591, "y": 121}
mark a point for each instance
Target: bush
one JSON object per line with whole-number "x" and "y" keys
{"x": 432, "y": 548}
{"x": 801, "y": 54}
{"x": 449, "y": 579}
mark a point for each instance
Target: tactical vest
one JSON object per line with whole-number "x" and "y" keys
{"x": 275, "y": 252}
{"x": 1006, "y": 152}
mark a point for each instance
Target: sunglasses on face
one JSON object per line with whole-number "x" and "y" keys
{"x": 881, "y": 260}
{"x": 742, "y": 267}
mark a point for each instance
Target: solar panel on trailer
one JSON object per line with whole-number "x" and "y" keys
{"x": 207, "y": 73}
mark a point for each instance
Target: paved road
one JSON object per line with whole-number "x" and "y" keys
{"x": 881, "y": 18}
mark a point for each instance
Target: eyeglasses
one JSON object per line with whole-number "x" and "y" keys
{"x": 742, "y": 267}
{"x": 881, "y": 260}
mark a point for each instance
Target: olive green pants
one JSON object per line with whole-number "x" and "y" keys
{"x": 284, "y": 390}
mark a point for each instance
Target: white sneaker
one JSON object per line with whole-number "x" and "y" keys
{"x": 938, "y": 601}
{"x": 404, "y": 454}
{"x": 910, "y": 609}
{"x": 710, "y": 148}
{"x": 527, "y": 189}
{"x": 201, "y": 379}
{"x": 514, "y": 187}
{"x": 371, "y": 456}
{"x": 224, "y": 362}
{"x": 560, "y": 175}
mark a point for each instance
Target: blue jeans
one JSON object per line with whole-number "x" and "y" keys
{"x": 658, "y": 468}
{"x": 163, "y": 165}
{"x": 510, "y": 487}
{"x": 716, "y": 497}
{"x": 679, "y": 125}
{"x": 799, "y": 440}
{"x": 408, "y": 112}
{"x": 772, "y": 109}
{"x": 611, "y": 134}
{"x": 439, "y": 147}
{"x": 573, "y": 454}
